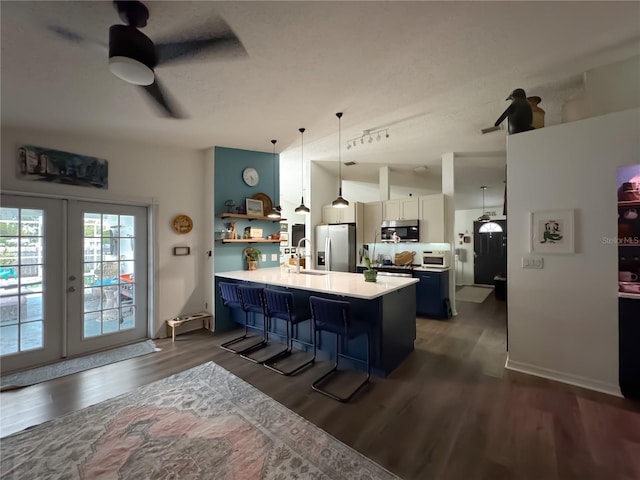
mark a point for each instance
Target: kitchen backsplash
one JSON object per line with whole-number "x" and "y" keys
{"x": 389, "y": 250}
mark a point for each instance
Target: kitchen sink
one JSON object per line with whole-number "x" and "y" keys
{"x": 306, "y": 272}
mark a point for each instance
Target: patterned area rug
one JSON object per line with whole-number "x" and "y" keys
{"x": 203, "y": 423}
{"x": 75, "y": 365}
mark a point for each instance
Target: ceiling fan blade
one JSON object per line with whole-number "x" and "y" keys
{"x": 162, "y": 100}
{"x": 74, "y": 37}
{"x": 224, "y": 45}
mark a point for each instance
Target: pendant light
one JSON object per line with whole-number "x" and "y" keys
{"x": 339, "y": 202}
{"x": 487, "y": 225}
{"x": 483, "y": 218}
{"x": 302, "y": 208}
{"x": 275, "y": 211}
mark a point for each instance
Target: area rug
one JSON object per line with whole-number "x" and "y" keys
{"x": 203, "y": 423}
{"x": 473, "y": 294}
{"x": 75, "y": 365}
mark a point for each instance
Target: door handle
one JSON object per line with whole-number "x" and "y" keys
{"x": 72, "y": 277}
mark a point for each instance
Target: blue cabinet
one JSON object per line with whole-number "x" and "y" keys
{"x": 629, "y": 338}
{"x": 432, "y": 294}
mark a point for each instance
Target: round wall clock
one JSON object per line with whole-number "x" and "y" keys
{"x": 182, "y": 224}
{"x": 250, "y": 176}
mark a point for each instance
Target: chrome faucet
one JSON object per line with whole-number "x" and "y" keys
{"x": 299, "y": 256}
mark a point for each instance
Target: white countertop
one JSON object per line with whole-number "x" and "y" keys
{"x": 336, "y": 283}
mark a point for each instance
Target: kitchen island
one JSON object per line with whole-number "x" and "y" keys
{"x": 388, "y": 306}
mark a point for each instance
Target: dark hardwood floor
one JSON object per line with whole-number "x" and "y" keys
{"x": 450, "y": 411}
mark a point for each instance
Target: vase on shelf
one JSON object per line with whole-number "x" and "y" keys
{"x": 538, "y": 113}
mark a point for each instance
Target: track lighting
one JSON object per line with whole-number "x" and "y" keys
{"x": 369, "y": 134}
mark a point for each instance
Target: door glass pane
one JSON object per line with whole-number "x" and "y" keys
{"x": 21, "y": 279}
{"x": 108, "y": 271}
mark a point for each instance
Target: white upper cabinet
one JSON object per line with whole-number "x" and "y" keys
{"x": 372, "y": 222}
{"x": 432, "y": 219}
{"x": 405, "y": 209}
{"x": 331, "y": 215}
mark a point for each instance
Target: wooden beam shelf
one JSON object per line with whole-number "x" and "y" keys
{"x": 251, "y": 217}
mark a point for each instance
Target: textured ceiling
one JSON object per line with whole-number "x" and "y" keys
{"x": 434, "y": 73}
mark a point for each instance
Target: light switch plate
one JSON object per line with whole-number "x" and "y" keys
{"x": 532, "y": 262}
{"x": 274, "y": 257}
{"x": 264, "y": 257}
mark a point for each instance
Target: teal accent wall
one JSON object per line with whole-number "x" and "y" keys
{"x": 228, "y": 185}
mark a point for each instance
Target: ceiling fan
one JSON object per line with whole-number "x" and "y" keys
{"x": 133, "y": 57}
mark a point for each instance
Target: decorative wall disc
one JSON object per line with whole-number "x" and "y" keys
{"x": 182, "y": 224}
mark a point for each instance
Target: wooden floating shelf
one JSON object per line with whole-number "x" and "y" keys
{"x": 629, "y": 203}
{"x": 249, "y": 240}
{"x": 251, "y": 217}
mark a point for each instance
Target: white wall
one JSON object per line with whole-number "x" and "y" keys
{"x": 563, "y": 319}
{"x": 171, "y": 179}
{"x": 464, "y": 224}
{"x": 614, "y": 87}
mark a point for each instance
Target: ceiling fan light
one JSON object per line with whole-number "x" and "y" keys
{"x": 131, "y": 70}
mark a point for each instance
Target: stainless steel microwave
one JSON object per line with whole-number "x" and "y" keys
{"x": 400, "y": 231}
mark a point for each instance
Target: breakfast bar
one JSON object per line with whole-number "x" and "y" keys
{"x": 388, "y": 305}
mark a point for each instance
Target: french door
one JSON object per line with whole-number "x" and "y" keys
{"x": 73, "y": 278}
{"x": 106, "y": 276}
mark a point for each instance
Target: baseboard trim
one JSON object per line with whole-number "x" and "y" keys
{"x": 575, "y": 380}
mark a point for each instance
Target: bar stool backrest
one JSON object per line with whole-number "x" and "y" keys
{"x": 251, "y": 298}
{"x": 330, "y": 315}
{"x": 279, "y": 304}
{"x": 229, "y": 294}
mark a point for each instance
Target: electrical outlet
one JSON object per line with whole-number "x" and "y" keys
{"x": 532, "y": 262}
{"x": 274, "y": 257}
{"x": 264, "y": 257}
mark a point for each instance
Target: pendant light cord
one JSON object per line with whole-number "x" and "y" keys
{"x": 301, "y": 130}
{"x": 339, "y": 115}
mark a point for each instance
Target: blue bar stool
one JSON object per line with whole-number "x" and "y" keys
{"x": 335, "y": 316}
{"x": 281, "y": 304}
{"x": 231, "y": 299}
{"x": 252, "y": 300}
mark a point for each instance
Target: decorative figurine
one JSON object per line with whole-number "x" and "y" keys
{"x": 519, "y": 113}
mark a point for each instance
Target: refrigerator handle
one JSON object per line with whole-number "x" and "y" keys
{"x": 327, "y": 248}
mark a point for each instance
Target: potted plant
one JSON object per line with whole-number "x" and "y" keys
{"x": 370, "y": 274}
{"x": 252, "y": 255}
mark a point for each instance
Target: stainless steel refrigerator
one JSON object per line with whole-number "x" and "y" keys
{"x": 335, "y": 248}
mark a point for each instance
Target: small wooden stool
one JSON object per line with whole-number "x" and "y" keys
{"x": 176, "y": 322}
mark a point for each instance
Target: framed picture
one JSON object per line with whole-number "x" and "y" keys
{"x": 254, "y": 207}
{"x": 179, "y": 251}
{"x": 293, "y": 249}
{"x": 284, "y": 239}
{"x": 286, "y": 251}
{"x": 284, "y": 227}
{"x": 552, "y": 231}
{"x": 54, "y": 166}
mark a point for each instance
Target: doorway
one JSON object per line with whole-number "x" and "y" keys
{"x": 489, "y": 254}
{"x": 76, "y": 278}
